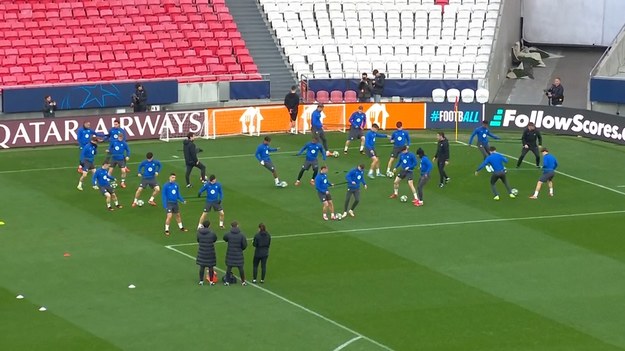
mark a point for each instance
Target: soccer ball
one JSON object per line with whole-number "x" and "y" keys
{"x": 514, "y": 191}
{"x": 390, "y": 174}
{"x": 403, "y": 198}
{"x": 283, "y": 184}
{"x": 335, "y": 154}
{"x": 113, "y": 185}
{"x": 338, "y": 216}
{"x": 140, "y": 203}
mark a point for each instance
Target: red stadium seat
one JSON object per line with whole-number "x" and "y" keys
{"x": 351, "y": 96}
{"x": 323, "y": 96}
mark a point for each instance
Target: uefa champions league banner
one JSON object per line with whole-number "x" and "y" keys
{"x": 557, "y": 120}
{"x": 444, "y": 115}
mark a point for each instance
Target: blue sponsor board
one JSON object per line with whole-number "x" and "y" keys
{"x": 444, "y": 115}
{"x": 76, "y": 97}
{"x": 395, "y": 87}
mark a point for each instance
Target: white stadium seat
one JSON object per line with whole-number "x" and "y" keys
{"x": 482, "y": 95}
{"x": 467, "y": 95}
{"x": 438, "y": 95}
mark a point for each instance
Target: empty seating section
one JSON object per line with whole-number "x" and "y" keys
{"x": 77, "y": 41}
{"x": 404, "y": 38}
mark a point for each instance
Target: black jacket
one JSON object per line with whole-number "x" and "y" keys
{"x": 206, "y": 248}
{"x": 236, "y": 244}
{"x": 140, "y": 100}
{"x": 262, "y": 241}
{"x": 364, "y": 89}
{"x": 48, "y": 109}
{"x": 378, "y": 84}
{"x": 529, "y": 138}
{"x": 557, "y": 94}
{"x": 291, "y": 101}
{"x": 190, "y": 152}
{"x": 442, "y": 150}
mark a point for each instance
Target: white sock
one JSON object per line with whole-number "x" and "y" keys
{"x": 551, "y": 191}
{"x": 415, "y": 196}
{"x": 151, "y": 198}
{"x": 535, "y": 193}
{"x": 277, "y": 181}
{"x": 370, "y": 171}
{"x": 180, "y": 225}
{"x": 395, "y": 191}
{"x": 221, "y": 223}
{"x": 116, "y": 203}
{"x": 135, "y": 200}
{"x": 166, "y": 227}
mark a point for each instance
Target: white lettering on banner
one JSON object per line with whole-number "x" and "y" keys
{"x": 37, "y": 126}
{"x": 147, "y": 122}
{"x": 21, "y": 133}
{"x": 463, "y": 116}
{"x": 7, "y": 136}
{"x": 71, "y": 126}
{"x": 101, "y": 127}
{"x": 53, "y": 132}
{"x": 126, "y": 123}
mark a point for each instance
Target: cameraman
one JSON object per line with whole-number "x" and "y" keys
{"x": 555, "y": 94}
{"x": 139, "y": 99}
{"x": 49, "y": 106}
{"x": 364, "y": 89}
{"x": 191, "y": 159}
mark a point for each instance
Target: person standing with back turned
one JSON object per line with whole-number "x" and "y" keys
{"x": 234, "y": 254}
{"x": 206, "y": 257}
{"x": 291, "y": 102}
{"x": 261, "y": 243}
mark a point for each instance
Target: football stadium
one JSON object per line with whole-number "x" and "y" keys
{"x": 344, "y": 175}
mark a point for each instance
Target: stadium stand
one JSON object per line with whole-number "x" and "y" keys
{"x": 78, "y": 41}
{"x": 404, "y": 38}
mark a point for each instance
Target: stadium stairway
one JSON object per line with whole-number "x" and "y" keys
{"x": 260, "y": 42}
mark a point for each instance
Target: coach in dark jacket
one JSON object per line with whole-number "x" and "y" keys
{"x": 261, "y": 243}
{"x": 378, "y": 85}
{"x": 139, "y": 99}
{"x": 442, "y": 158}
{"x": 206, "y": 257}
{"x": 234, "y": 255}
{"x": 531, "y": 140}
{"x": 49, "y": 107}
{"x": 191, "y": 160}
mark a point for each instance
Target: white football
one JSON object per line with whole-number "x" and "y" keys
{"x": 515, "y": 191}
{"x": 140, "y": 203}
{"x": 113, "y": 185}
{"x": 283, "y": 184}
{"x": 390, "y": 174}
{"x": 403, "y": 198}
{"x": 335, "y": 154}
{"x": 338, "y": 216}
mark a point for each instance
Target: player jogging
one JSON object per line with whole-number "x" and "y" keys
{"x": 262, "y": 155}
{"x": 399, "y": 138}
{"x": 529, "y": 140}
{"x": 356, "y": 129}
{"x": 549, "y": 171}
{"x": 355, "y": 178}
{"x": 442, "y": 158}
{"x": 405, "y": 167}
{"x": 120, "y": 154}
{"x": 426, "y": 167}
{"x": 171, "y": 197}
{"x": 316, "y": 127}
{"x": 482, "y": 134}
{"x": 313, "y": 150}
{"x": 322, "y": 185}
{"x": 370, "y": 149}
{"x": 214, "y": 196}
{"x": 497, "y": 162}
{"x": 148, "y": 171}
{"x": 102, "y": 181}
{"x": 87, "y": 157}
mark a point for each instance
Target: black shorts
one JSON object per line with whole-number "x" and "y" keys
{"x": 87, "y": 165}
{"x": 324, "y": 197}
{"x": 396, "y": 151}
{"x": 293, "y": 115}
{"x": 148, "y": 182}
{"x": 546, "y": 177}
{"x": 119, "y": 163}
{"x": 355, "y": 134}
{"x": 172, "y": 207}
{"x": 370, "y": 152}
{"x": 215, "y": 205}
{"x": 107, "y": 189}
{"x": 406, "y": 174}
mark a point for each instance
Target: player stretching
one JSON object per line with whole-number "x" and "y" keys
{"x": 148, "y": 171}
{"x": 354, "y": 178}
{"x": 313, "y": 149}
{"x": 171, "y": 197}
{"x": 214, "y": 196}
{"x": 482, "y": 134}
{"x": 497, "y": 162}
{"x": 120, "y": 153}
{"x": 102, "y": 181}
{"x": 549, "y": 171}
{"x": 322, "y": 186}
{"x": 356, "y": 127}
{"x": 316, "y": 127}
{"x": 262, "y": 155}
{"x": 426, "y": 167}
{"x": 399, "y": 138}
{"x": 87, "y": 157}
{"x": 406, "y": 164}
{"x": 370, "y": 149}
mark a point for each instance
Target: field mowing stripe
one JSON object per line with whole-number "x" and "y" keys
{"x": 345, "y": 344}
{"x": 441, "y": 224}
{"x": 566, "y": 175}
{"x": 177, "y": 159}
{"x": 295, "y": 304}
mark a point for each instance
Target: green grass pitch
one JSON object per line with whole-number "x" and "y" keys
{"x": 462, "y": 273}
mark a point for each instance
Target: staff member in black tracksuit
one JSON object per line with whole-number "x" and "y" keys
{"x": 191, "y": 160}
{"x": 291, "y": 102}
{"x": 555, "y": 94}
{"x": 206, "y": 257}
{"x": 139, "y": 99}
{"x": 442, "y": 158}
{"x": 261, "y": 243}
{"x": 528, "y": 139}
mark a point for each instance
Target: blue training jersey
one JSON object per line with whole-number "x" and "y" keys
{"x": 171, "y": 193}
{"x": 407, "y": 161}
{"x": 114, "y": 134}
{"x": 119, "y": 150}
{"x": 400, "y": 138}
{"x": 322, "y": 183}
{"x": 549, "y": 163}
{"x": 354, "y": 178}
{"x": 315, "y": 120}
{"x": 101, "y": 177}
{"x": 482, "y": 134}
{"x": 149, "y": 168}
{"x": 312, "y": 151}
{"x": 496, "y": 160}
{"x": 213, "y": 192}
{"x": 357, "y": 120}
{"x": 370, "y": 139}
{"x": 83, "y": 136}
{"x": 426, "y": 165}
{"x": 262, "y": 152}
{"x": 88, "y": 152}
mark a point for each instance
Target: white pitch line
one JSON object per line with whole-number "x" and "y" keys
{"x": 620, "y": 186}
{"x": 442, "y": 224}
{"x": 345, "y": 344}
{"x": 295, "y": 304}
{"x": 567, "y": 175}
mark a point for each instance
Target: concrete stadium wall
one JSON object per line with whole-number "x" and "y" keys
{"x": 508, "y": 32}
{"x": 611, "y": 65}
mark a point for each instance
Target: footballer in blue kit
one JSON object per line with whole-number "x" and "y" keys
{"x": 482, "y": 133}
{"x": 214, "y": 197}
{"x": 322, "y": 185}
{"x": 103, "y": 181}
{"x": 119, "y": 152}
{"x": 370, "y": 149}
{"x": 356, "y": 129}
{"x": 425, "y": 166}
{"x": 355, "y": 178}
{"x": 87, "y": 159}
{"x": 148, "y": 171}
{"x": 316, "y": 126}
{"x": 262, "y": 155}
{"x": 399, "y": 138}
{"x": 405, "y": 170}
{"x": 313, "y": 150}
{"x": 549, "y": 171}
{"x": 84, "y": 135}
{"x": 171, "y": 198}
{"x": 497, "y": 161}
